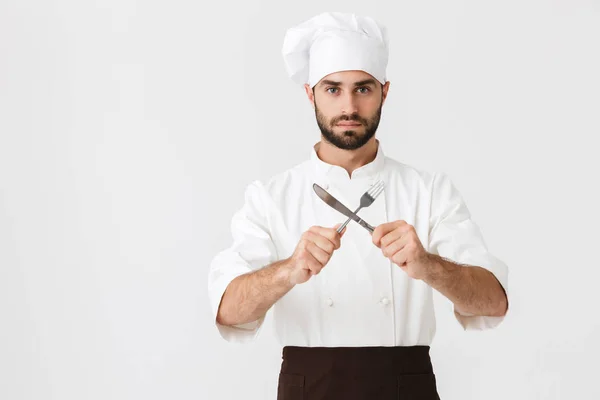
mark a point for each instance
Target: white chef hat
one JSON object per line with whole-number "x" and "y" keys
{"x": 332, "y": 42}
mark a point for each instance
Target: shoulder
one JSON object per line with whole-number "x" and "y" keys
{"x": 282, "y": 184}
{"x": 410, "y": 174}
{"x": 429, "y": 184}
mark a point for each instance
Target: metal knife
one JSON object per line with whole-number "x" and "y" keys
{"x": 337, "y": 205}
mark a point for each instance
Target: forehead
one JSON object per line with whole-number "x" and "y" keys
{"x": 347, "y": 77}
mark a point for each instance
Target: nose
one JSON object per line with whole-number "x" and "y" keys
{"x": 349, "y": 104}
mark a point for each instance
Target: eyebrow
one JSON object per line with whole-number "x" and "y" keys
{"x": 327, "y": 82}
{"x": 365, "y": 82}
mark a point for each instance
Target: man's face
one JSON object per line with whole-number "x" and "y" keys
{"x": 348, "y": 107}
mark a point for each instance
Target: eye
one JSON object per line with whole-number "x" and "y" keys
{"x": 329, "y": 90}
{"x": 363, "y": 89}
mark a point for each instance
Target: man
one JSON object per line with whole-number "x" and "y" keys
{"x": 354, "y": 311}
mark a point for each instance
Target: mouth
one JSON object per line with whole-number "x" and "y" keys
{"x": 349, "y": 124}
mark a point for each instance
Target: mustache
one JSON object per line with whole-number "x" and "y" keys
{"x": 353, "y": 117}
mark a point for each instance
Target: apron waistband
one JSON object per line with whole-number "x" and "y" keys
{"x": 364, "y": 360}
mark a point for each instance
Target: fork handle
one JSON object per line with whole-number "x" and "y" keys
{"x": 341, "y": 228}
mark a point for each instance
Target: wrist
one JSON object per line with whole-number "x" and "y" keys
{"x": 283, "y": 272}
{"x": 434, "y": 268}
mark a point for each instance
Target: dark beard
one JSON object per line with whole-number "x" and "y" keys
{"x": 348, "y": 140}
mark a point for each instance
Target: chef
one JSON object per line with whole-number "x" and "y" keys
{"x": 353, "y": 310}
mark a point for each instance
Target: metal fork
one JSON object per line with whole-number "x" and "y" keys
{"x": 366, "y": 200}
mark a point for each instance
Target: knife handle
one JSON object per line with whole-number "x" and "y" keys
{"x": 366, "y": 226}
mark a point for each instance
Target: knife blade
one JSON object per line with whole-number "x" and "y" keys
{"x": 337, "y": 205}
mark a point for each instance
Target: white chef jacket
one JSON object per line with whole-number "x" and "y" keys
{"x": 360, "y": 298}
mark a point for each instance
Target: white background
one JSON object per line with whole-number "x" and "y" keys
{"x": 128, "y": 131}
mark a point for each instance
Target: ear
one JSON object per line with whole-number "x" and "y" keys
{"x": 385, "y": 89}
{"x": 310, "y": 94}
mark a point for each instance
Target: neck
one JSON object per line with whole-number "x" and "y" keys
{"x": 350, "y": 160}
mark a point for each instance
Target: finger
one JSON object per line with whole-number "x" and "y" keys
{"x": 400, "y": 257}
{"x": 397, "y": 233}
{"x": 392, "y": 248}
{"x": 318, "y": 253}
{"x": 336, "y": 227}
{"x": 328, "y": 233}
{"x": 313, "y": 265}
{"x": 308, "y": 261}
{"x": 380, "y": 231}
{"x": 321, "y": 241}
{"x": 390, "y": 238}
{"x": 383, "y": 229}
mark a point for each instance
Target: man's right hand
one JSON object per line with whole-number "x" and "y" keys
{"x": 315, "y": 248}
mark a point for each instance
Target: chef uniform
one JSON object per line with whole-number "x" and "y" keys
{"x": 362, "y": 328}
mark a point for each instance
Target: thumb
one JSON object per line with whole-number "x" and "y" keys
{"x": 343, "y": 230}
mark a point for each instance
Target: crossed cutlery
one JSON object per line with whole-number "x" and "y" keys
{"x": 365, "y": 201}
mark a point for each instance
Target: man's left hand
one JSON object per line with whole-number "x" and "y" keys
{"x": 399, "y": 242}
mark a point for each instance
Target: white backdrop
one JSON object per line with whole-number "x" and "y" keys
{"x": 129, "y": 129}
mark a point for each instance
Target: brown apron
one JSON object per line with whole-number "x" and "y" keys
{"x": 353, "y": 373}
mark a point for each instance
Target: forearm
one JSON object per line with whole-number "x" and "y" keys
{"x": 472, "y": 289}
{"x": 248, "y": 297}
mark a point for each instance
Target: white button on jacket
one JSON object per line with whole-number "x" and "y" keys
{"x": 360, "y": 298}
